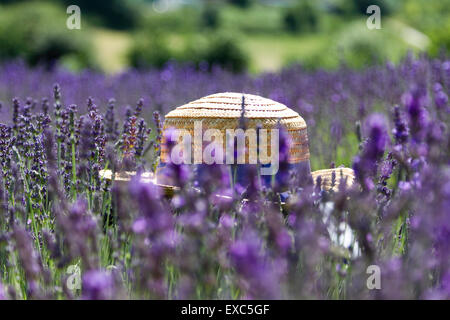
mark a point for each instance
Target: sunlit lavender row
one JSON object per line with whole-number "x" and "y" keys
{"x": 66, "y": 232}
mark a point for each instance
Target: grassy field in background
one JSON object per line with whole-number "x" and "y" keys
{"x": 267, "y": 52}
{"x": 269, "y": 47}
{"x": 111, "y": 49}
{"x": 272, "y": 52}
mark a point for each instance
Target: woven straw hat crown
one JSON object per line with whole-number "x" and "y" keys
{"x": 222, "y": 111}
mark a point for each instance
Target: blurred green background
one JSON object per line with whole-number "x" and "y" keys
{"x": 240, "y": 35}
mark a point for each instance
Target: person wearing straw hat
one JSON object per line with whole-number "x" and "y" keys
{"x": 221, "y": 115}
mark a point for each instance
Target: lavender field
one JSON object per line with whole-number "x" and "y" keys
{"x": 67, "y": 233}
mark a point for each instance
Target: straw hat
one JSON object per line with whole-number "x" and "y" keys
{"x": 223, "y": 111}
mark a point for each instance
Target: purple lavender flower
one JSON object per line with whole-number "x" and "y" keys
{"x": 378, "y": 138}
{"x": 98, "y": 285}
{"x": 284, "y": 173}
{"x": 401, "y": 130}
{"x": 441, "y": 100}
{"x": 111, "y": 125}
{"x": 29, "y": 260}
{"x": 139, "y": 106}
{"x": 246, "y": 256}
{"x": 415, "y": 102}
{"x": 2, "y": 292}
{"x": 365, "y": 165}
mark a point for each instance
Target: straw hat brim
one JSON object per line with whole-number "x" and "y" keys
{"x": 330, "y": 179}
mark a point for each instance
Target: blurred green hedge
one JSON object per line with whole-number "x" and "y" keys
{"x": 304, "y": 17}
{"x": 115, "y": 14}
{"x": 241, "y": 3}
{"x": 37, "y": 32}
{"x": 216, "y": 49}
